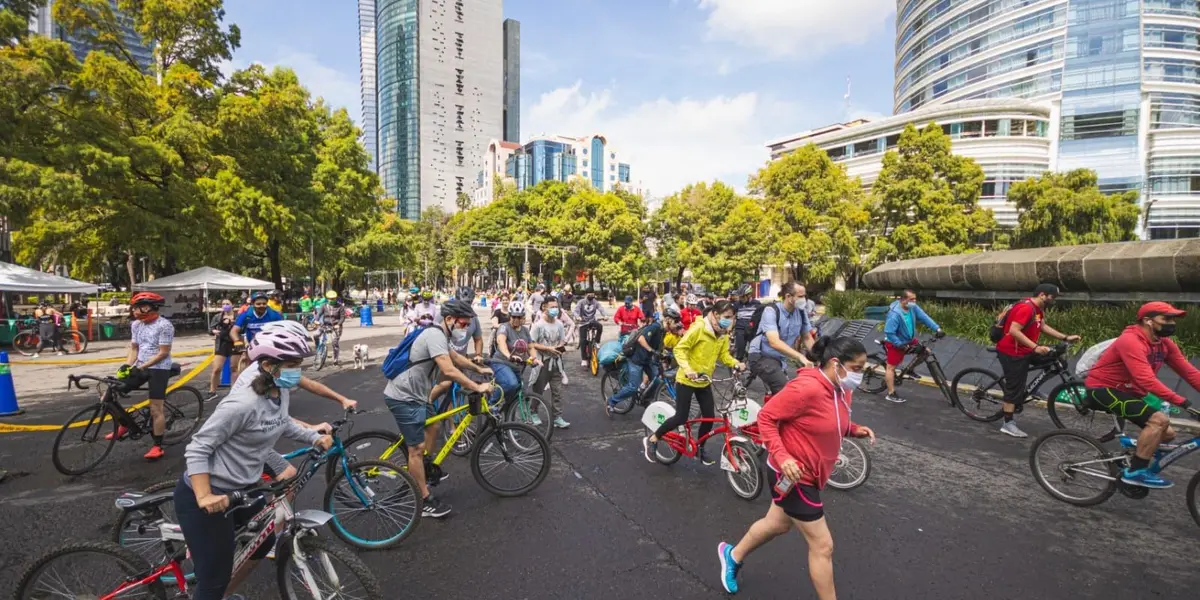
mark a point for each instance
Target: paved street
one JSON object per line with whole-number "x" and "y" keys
{"x": 950, "y": 511}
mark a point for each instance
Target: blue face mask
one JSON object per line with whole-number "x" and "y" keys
{"x": 725, "y": 323}
{"x": 553, "y": 312}
{"x": 288, "y": 378}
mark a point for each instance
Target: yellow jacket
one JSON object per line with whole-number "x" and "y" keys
{"x": 698, "y": 351}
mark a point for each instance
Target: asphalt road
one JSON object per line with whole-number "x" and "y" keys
{"x": 950, "y": 511}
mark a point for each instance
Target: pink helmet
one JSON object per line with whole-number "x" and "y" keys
{"x": 280, "y": 345}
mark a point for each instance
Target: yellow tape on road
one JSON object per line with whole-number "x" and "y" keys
{"x": 15, "y": 427}
{"x": 101, "y": 361}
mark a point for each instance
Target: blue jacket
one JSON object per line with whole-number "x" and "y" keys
{"x": 896, "y": 330}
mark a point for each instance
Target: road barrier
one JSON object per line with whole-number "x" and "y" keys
{"x": 21, "y": 427}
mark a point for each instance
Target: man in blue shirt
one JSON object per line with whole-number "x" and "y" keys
{"x": 779, "y": 328}
{"x": 899, "y": 332}
{"x": 251, "y": 322}
{"x": 645, "y": 357}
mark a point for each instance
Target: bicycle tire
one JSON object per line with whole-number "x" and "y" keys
{"x": 129, "y": 562}
{"x": 89, "y": 414}
{"x": 1084, "y": 417}
{"x": 857, "y": 480}
{"x": 74, "y": 342}
{"x": 873, "y": 375}
{"x": 502, "y": 434}
{"x": 594, "y": 361}
{"x": 26, "y": 343}
{"x": 322, "y": 355}
{"x": 746, "y": 460}
{"x": 1191, "y": 497}
{"x": 366, "y": 445}
{"x": 1043, "y": 480}
{"x": 152, "y": 549}
{"x": 312, "y": 544}
{"x": 989, "y": 387}
{"x": 410, "y": 496}
{"x": 176, "y": 408}
{"x": 525, "y": 408}
{"x": 663, "y": 452}
{"x": 610, "y": 384}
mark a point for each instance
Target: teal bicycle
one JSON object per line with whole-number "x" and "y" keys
{"x": 661, "y": 388}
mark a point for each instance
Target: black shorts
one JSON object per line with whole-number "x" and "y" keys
{"x": 155, "y": 380}
{"x": 1121, "y": 403}
{"x": 223, "y": 347}
{"x": 770, "y": 371}
{"x": 802, "y": 503}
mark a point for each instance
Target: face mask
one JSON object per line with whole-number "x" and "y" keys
{"x": 1166, "y": 330}
{"x": 591, "y": 298}
{"x": 553, "y": 312}
{"x": 459, "y": 335}
{"x": 851, "y": 380}
{"x": 724, "y": 323}
{"x": 628, "y": 305}
{"x": 288, "y": 378}
{"x": 227, "y": 308}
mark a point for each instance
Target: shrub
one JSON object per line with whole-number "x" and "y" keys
{"x": 1093, "y": 321}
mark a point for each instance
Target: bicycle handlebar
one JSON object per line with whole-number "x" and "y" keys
{"x": 76, "y": 380}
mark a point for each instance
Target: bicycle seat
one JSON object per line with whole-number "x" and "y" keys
{"x": 142, "y": 500}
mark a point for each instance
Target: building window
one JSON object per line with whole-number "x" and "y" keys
{"x": 585, "y": 154}
{"x": 458, "y": 80}
{"x": 585, "y": 162}
{"x": 458, "y": 150}
{"x": 458, "y": 10}
{"x": 458, "y": 185}
{"x": 458, "y": 44}
{"x": 612, "y": 167}
{"x": 1100, "y": 124}
{"x": 459, "y": 116}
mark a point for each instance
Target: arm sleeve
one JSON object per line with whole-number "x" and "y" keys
{"x": 1178, "y": 363}
{"x": 277, "y": 462}
{"x": 295, "y": 432}
{"x": 1021, "y": 313}
{"x": 1135, "y": 361}
{"x": 600, "y": 311}
{"x": 225, "y": 420}
{"x": 684, "y": 347}
{"x": 788, "y": 402}
{"x": 891, "y": 329}
{"x": 240, "y": 323}
{"x": 723, "y": 352}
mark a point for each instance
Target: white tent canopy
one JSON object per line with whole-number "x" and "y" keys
{"x": 14, "y": 278}
{"x": 205, "y": 278}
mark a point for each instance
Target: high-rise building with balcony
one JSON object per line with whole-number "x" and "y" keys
{"x": 439, "y": 74}
{"x": 42, "y": 23}
{"x": 366, "y": 77}
{"x": 554, "y": 158}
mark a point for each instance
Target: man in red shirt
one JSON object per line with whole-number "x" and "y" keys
{"x": 691, "y": 311}
{"x": 628, "y": 316}
{"x": 1019, "y": 348}
{"x": 1124, "y": 382}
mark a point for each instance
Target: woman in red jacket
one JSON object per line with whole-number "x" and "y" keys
{"x": 802, "y": 428}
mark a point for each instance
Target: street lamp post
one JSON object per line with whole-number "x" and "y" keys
{"x": 527, "y": 248}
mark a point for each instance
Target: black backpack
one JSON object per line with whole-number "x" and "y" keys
{"x": 756, "y": 319}
{"x": 997, "y": 331}
{"x": 630, "y": 346}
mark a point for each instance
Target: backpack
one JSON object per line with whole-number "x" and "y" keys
{"x": 1091, "y": 356}
{"x": 630, "y": 346}
{"x": 756, "y": 319}
{"x": 997, "y": 331}
{"x": 397, "y": 360}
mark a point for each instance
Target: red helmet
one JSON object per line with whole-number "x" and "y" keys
{"x": 150, "y": 298}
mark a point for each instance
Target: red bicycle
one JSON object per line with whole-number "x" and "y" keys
{"x": 739, "y": 459}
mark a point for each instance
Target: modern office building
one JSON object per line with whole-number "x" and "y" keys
{"x": 495, "y": 161}
{"x": 439, "y": 74}
{"x": 555, "y": 158}
{"x": 366, "y": 77}
{"x": 1121, "y": 78}
{"x": 42, "y": 23}
{"x": 512, "y": 81}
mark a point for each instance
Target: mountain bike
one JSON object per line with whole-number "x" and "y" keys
{"x": 739, "y": 459}
{"x": 70, "y": 341}
{"x": 500, "y": 445}
{"x": 661, "y": 389}
{"x": 322, "y": 353}
{"x": 1095, "y": 471}
{"x": 874, "y": 375}
{"x": 89, "y": 435}
{"x": 307, "y": 566}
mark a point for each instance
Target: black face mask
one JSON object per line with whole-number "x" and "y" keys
{"x": 1049, "y": 302}
{"x": 1165, "y": 330}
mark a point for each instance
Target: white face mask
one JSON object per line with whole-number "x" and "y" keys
{"x": 851, "y": 380}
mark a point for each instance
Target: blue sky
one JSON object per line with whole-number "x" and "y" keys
{"x": 688, "y": 90}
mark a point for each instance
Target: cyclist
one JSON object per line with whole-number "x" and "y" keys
{"x": 537, "y": 298}
{"x": 1124, "y": 382}
{"x": 461, "y": 341}
{"x": 590, "y": 328}
{"x": 507, "y": 338}
{"x": 745, "y": 306}
{"x": 1019, "y": 350}
{"x": 781, "y": 326}
{"x": 548, "y": 337}
{"x": 306, "y": 303}
{"x": 333, "y": 317}
{"x": 802, "y": 429}
{"x": 565, "y": 301}
{"x": 220, "y": 325}
{"x": 275, "y": 301}
{"x": 149, "y": 362}
{"x": 900, "y": 336}
{"x": 645, "y": 358}
{"x": 628, "y": 316}
{"x": 250, "y": 322}
{"x": 690, "y": 310}
{"x": 426, "y": 309}
{"x": 649, "y": 301}
{"x": 228, "y": 454}
{"x": 408, "y": 394}
{"x": 312, "y": 386}
{"x": 48, "y": 335}
{"x": 697, "y": 354}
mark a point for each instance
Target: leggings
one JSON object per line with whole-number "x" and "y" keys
{"x": 210, "y": 540}
{"x": 683, "y": 406}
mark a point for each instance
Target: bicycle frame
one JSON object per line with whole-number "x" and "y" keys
{"x": 485, "y": 409}
{"x": 1058, "y": 367}
{"x": 1174, "y": 452}
{"x": 689, "y": 445}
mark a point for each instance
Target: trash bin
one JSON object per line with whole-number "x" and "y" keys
{"x": 107, "y": 329}
{"x": 379, "y": 305}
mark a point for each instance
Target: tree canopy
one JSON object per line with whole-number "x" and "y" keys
{"x": 1063, "y": 209}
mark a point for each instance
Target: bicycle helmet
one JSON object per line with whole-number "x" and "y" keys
{"x": 466, "y": 294}
{"x": 672, "y": 313}
{"x": 279, "y": 345}
{"x": 142, "y": 299}
{"x": 691, "y": 299}
{"x": 414, "y": 290}
{"x": 292, "y": 327}
{"x": 331, "y": 295}
{"x": 516, "y": 309}
{"x": 458, "y": 309}
{"x": 275, "y": 294}
{"x": 427, "y": 295}
{"x": 744, "y": 290}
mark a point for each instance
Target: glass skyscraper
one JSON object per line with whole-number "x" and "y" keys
{"x": 366, "y": 73}
{"x": 42, "y": 23}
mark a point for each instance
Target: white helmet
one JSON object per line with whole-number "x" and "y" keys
{"x": 691, "y": 299}
{"x": 292, "y": 327}
{"x": 516, "y": 309}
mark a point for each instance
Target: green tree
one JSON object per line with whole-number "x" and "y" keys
{"x": 926, "y": 199}
{"x": 677, "y": 228}
{"x": 735, "y": 248}
{"x": 1064, "y": 209}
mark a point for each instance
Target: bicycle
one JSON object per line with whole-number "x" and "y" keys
{"x": 661, "y": 389}
{"x": 1067, "y": 403}
{"x": 304, "y": 561}
{"x": 739, "y": 459}
{"x": 1103, "y": 467}
{"x": 515, "y": 444}
{"x": 183, "y": 409}
{"x": 71, "y": 341}
{"x": 874, "y": 380}
{"x": 591, "y": 341}
{"x": 322, "y": 352}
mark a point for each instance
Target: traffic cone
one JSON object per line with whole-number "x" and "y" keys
{"x": 8, "y": 393}
{"x": 227, "y": 371}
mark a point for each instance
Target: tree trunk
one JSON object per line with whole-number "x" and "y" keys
{"x": 678, "y": 278}
{"x": 273, "y": 258}
{"x": 130, "y": 269}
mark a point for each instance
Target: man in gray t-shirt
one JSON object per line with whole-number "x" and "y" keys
{"x": 460, "y": 340}
{"x": 537, "y": 298}
{"x": 548, "y": 336}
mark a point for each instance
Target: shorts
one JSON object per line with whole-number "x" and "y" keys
{"x": 1121, "y": 403}
{"x": 156, "y": 381}
{"x": 410, "y": 419}
{"x": 802, "y": 502}
{"x": 770, "y": 371}
{"x": 223, "y": 347}
{"x": 895, "y": 354}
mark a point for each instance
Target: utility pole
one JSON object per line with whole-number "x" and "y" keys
{"x": 312, "y": 268}
{"x": 527, "y": 247}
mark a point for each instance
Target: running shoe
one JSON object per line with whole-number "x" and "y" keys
{"x": 434, "y": 508}
{"x": 729, "y": 567}
{"x": 561, "y": 423}
{"x": 155, "y": 453}
{"x": 649, "y": 447}
{"x": 895, "y": 398}
{"x": 1144, "y": 478}
{"x": 1010, "y": 428}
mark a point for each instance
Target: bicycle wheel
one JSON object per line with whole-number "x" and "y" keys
{"x": 979, "y": 394}
{"x": 363, "y": 446}
{"x": 531, "y": 410}
{"x": 1192, "y": 501}
{"x": 1073, "y": 467}
{"x": 610, "y": 384}
{"x": 27, "y": 343}
{"x": 79, "y": 449}
{"x": 852, "y": 468}
{"x": 510, "y": 448}
{"x": 1069, "y": 409}
{"x": 594, "y": 361}
{"x": 375, "y": 504}
{"x": 335, "y": 571}
{"x": 74, "y": 342}
{"x": 747, "y": 480}
{"x": 141, "y": 530}
{"x": 873, "y": 375}
{"x": 87, "y": 570}
{"x": 664, "y": 453}
{"x": 183, "y": 409}
{"x": 322, "y": 354}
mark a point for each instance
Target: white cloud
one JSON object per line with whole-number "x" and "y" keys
{"x": 668, "y": 142}
{"x": 795, "y": 28}
{"x": 339, "y": 89}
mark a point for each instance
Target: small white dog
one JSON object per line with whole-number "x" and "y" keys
{"x": 361, "y": 356}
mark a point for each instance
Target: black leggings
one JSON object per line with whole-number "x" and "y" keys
{"x": 683, "y": 406}
{"x": 210, "y": 540}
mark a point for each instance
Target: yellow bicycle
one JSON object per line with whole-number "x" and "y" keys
{"x": 507, "y": 459}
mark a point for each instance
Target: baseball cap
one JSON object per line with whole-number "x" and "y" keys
{"x": 1154, "y": 309}
{"x": 1046, "y": 288}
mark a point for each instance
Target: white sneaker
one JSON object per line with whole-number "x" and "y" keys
{"x": 1010, "y": 428}
{"x": 36, "y": 355}
{"x": 582, "y": 363}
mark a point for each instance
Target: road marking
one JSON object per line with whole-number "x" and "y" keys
{"x": 101, "y": 361}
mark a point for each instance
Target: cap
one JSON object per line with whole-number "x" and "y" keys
{"x": 629, "y": 298}
{"x": 1154, "y": 309}
{"x": 1046, "y": 288}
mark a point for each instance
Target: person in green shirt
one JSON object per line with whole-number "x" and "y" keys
{"x": 306, "y": 303}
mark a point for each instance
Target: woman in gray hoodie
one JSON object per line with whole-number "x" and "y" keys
{"x": 229, "y": 452}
